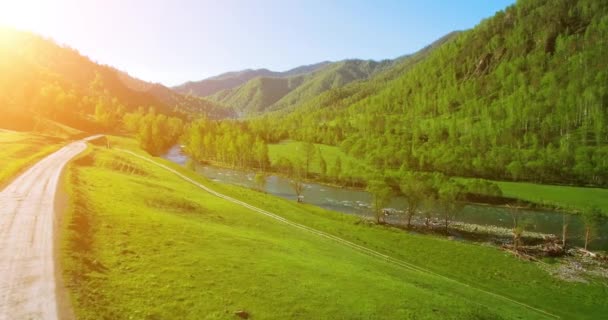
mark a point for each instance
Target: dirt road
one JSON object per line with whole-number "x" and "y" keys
{"x": 27, "y": 224}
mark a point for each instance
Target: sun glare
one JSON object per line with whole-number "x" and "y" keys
{"x": 25, "y": 15}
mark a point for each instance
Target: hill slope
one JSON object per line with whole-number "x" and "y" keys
{"x": 42, "y": 81}
{"x": 230, "y": 80}
{"x": 268, "y": 93}
{"x": 522, "y": 96}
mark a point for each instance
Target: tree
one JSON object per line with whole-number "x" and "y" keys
{"x": 157, "y": 132}
{"x": 260, "y": 150}
{"x": 518, "y": 227}
{"x": 592, "y": 217}
{"x": 284, "y": 166}
{"x": 309, "y": 151}
{"x": 322, "y": 164}
{"x": 429, "y": 204}
{"x": 337, "y": 169}
{"x": 515, "y": 168}
{"x": 297, "y": 181}
{"x": 260, "y": 181}
{"x": 414, "y": 190}
{"x": 449, "y": 193}
{"x": 190, "y": 164}
{"x": 381, "y": 195}
{"x": 565, "y": 225}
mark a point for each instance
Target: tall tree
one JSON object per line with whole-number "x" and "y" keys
{"x": 308, "y": 154}
{"x": 322, "y": 164}
{"x": 592, "y": 217}
{"x": 449, "y": 194}
{"x": 297, "y": 180}
{"x": 260, "y": 181}
{"x": 381, "y": 195}
{"x": 414, "y": 189}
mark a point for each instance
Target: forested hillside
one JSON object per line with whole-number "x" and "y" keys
{"x": 264, "y": 94}
{"x": 42, "y": 82}
{"x": 234, "y": 79}
{"x": 183, "y": 103}
{"x": 522, "y": 96}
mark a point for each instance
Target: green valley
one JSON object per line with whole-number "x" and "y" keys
{"x": 387, "y": 160}
{"x": 225, "y": 250}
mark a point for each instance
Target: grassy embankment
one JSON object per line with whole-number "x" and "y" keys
{"x": 20, "y": 149}
{"x": 142, "y": 243}
{"x": 567, "y": 197}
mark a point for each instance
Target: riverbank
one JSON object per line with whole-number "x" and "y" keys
{"x": 356, "y": 201}
{"x": 525, "y": 195}
{"x": 145, "y": 238}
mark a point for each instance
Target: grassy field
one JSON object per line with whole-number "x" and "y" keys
{"x": 19, "y": 150}
{"x": 563, "y": 196}
{"x": 140, "y": 243}
{"x": 292, "y": 149}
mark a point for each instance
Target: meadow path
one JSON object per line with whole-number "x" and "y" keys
{"x": 27, "y": 229}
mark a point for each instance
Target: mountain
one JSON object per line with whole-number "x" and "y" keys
{"x": 184, "y": 103}
{"x": 264, "y": 94}
{"x": 233, "y": 79}
{"x": 344, "y": 95}
{"x": 522, "y": 96}
{"x": 40, "y": 80}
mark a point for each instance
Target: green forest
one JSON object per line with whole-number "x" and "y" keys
{"x": 522, "y": 96}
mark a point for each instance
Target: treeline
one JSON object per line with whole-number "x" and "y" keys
{"x": 235, "y": 144}
{"x": 227, "y": 142}
{"x": 523, "y": 96}
{"x": 155, "y": 132}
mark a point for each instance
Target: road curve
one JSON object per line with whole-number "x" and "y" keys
{"x": 27, "y": 224}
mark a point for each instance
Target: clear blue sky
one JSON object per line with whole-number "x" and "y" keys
{"x": 175, "y": 41}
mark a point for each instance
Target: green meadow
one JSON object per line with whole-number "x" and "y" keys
{"x": 20, "y": 150}
{"x": 292, "y": 150}
{"x": 576, "y": 198}
{"x": 139, "y": 242}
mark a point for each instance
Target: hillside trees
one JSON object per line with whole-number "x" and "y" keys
{"x": 154, "y": 132}
{"x": 226, "y": 142}
{"x": 523, "y": 96}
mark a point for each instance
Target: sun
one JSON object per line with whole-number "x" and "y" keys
{"x": 21, "y": 14}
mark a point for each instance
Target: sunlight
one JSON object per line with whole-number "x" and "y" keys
{"x": 391, "y": 159}
{"x": 22, "y": 14}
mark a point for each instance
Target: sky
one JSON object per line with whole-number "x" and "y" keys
{"x": 172, "y": 42}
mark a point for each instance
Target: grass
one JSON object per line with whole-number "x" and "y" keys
{"x": 291, "y": 149}
{"x": 141, "y": 243}
{"x": 577, "y": 198}
{"x": 20, "y": 150}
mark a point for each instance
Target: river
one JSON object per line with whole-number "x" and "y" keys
{"x": 351, "y": 201}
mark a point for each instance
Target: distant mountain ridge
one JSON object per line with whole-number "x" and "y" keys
{"x": 233, "y": 79}
{"x": 254, "y": 92}
{"x": 263, "y": 94}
